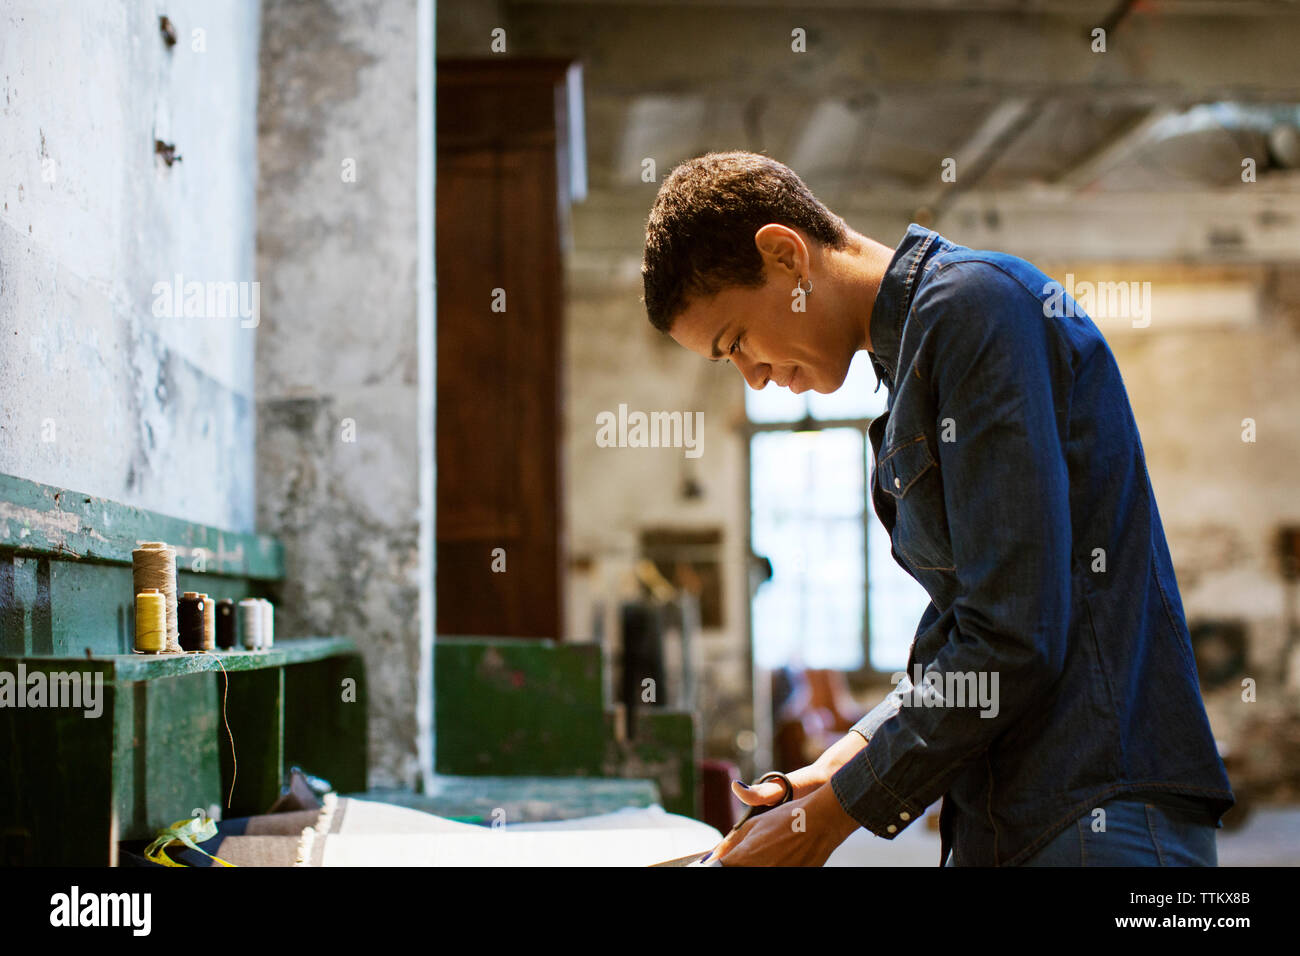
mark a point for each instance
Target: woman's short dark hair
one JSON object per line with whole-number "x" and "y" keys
{"x": 700, "y": 236}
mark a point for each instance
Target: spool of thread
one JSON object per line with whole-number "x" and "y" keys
{"x": 250, "y": 623}
{"x": 268, "y": 624}
{"x": 225, "y": 624}
{"x": 153, "y": 567}
{"x": 209, "y": 623}
{"x": 151, "y": 621}
{"x": 189, "y": 616}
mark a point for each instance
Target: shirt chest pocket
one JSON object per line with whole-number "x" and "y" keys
{"x": 910, "y": 475}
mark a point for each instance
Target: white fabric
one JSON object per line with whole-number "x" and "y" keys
{"x": 377, "y": 834}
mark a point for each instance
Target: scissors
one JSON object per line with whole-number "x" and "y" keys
{"x": 755, "y": 809}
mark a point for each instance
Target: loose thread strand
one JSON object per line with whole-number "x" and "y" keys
{"x": 225, "y": 693}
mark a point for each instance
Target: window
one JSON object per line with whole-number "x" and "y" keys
{"x": 837, "y": 599}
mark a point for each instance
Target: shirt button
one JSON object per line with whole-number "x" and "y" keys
{"x": 898, "y": 483}
{"x": 891, "y": 829}
{"x": 904, "y": 815}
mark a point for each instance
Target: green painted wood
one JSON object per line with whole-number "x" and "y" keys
{"x": 325, "y": 720}
{"x": 664, "y": 750}
{"x": 159, "y": 748}
{"x": 509, "y": 706}
{"x": 126, "y": 668}
{"x": 57, "y": 770}
{"x": 37, "y": 519}
{"x": 168, "y": 766}
{"x": 254, "y": 708}
{"x": 71, "y": 786}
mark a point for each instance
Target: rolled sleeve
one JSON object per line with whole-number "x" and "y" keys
{"x": 988, "y": 352}
{"x": 886, "y": 709}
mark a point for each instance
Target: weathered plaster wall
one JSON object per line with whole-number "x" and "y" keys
{"x": 339, "y": 372}
{"x": 1223, "y": 499}
{"x": 98, "y": 393}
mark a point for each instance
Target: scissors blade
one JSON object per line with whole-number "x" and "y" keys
{"x": 684, "y": 860}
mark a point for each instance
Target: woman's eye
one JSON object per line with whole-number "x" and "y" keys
{"x": 734, "y": 346}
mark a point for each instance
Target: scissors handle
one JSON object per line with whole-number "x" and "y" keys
{"x": 758, "y": 808}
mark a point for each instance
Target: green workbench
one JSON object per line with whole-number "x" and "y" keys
{"x": 154, "y": 748}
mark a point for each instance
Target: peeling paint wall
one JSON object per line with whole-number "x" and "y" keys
{"x": 338, "y": 373}
{"x": 98, "y": 392}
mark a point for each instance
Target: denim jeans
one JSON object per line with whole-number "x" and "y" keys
{"x": 1137, "y": 833}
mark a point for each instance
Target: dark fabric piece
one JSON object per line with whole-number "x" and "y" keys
{"x": 298, "y": 796}
{"x": 265, "y": 840}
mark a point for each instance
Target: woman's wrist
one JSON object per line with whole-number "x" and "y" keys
{"x": 836, "y": 822}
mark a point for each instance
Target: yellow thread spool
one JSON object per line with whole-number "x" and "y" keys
{"x": 209, "y": 623}
{"x": 151, "y": 621}
{"x": 153, "y": 566}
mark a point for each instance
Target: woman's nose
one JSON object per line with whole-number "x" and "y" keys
{"x": 756, "y": 374}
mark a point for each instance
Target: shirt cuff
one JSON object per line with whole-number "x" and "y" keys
{"x": 855, "y": 785}
{"x": 868, "y": 801}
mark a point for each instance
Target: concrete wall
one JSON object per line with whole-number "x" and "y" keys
{"x": 99, "y": 392}
{"x": 1223, "y": 499}
{"x": 344, "y": 382}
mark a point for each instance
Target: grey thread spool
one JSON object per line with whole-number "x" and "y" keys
{"x": 250, "y": 623}
{"x": 153, "y": 565}
{"x": 189, "y": 615}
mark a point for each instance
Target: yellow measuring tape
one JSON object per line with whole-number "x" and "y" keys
{"x": 191, "y": 831}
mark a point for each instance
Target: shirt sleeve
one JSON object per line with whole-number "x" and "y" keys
{"x": 995, "y": 372}
{"x": 884, "y": 710}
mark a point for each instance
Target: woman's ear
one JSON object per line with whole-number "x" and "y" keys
{"x": 784, "y": 251}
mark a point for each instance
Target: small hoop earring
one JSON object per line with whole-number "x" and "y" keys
{"x": 799, "y": 285}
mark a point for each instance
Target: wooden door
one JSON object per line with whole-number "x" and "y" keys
{"x": 500, "y": 312}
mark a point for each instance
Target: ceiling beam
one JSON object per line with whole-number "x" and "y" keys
{"x": 1242, "y": 224}
{"x": 1109, "y": 152}
{"x": 1154, "y": 59}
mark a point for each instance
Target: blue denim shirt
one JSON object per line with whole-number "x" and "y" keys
{"x": 1011, "y": 478}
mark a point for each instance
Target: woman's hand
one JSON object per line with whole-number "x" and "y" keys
{"x": 804, "y": 832}
{"x": 805, "y": 779}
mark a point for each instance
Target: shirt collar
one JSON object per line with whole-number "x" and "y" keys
{"x": 893, "y": 299}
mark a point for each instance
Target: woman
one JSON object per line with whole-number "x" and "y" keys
{"x": 1010, "y": 475}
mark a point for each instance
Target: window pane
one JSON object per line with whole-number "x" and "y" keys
{"x": 806, "y": 507}
{"x": 774, "y": 404}
{"x": 854, "y": 399}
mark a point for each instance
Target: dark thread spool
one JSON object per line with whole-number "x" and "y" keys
{"x": 225, "y": 624}
{"x": 189, "y": 621}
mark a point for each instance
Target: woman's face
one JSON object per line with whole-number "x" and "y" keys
{"x": 758, "y": 332}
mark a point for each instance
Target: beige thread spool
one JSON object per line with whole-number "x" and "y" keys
{"x": 151, "y": 621}
{"x": 251, "y": 616}
{"x": 209, "y": 623}
{"x": 153, "y": 567}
